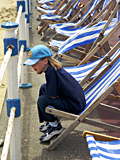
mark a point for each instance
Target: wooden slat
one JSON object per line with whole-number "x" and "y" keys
{"x": 101, "y": 74}
{"x": 86, "y": 120}
{"x": 112, "y": 96}
{"x": 109, "y": 108}
{"x": 107, "y": 24}
{"x": 95, "y": 20}
{"x": 68, "y": 58}
{"x": 86, "y": 17}
{"x": 97, "y": 67}
{"x": 93, "y": 51}
{"x": 117, "y": 86}
{"x": 99, "y": 136}
{"x": 46, "y": 24}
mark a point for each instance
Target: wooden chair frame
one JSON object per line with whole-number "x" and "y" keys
{"x": 82, "y": 118}
{"x": 63, "y": 12}
{"x": 101, "y": 43}
{"x": 86, "y": 20}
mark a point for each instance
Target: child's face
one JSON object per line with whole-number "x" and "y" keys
{"x": 40, "y": 66}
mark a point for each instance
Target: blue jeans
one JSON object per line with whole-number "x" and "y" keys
{"x": 58, "y": 103}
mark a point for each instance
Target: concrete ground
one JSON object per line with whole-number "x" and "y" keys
{"x": 73, "y": 147}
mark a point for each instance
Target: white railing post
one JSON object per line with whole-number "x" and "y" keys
{"x": 12, "y": 89}
{"x": 8, "y": 134}
{"x": 23, "y": 41}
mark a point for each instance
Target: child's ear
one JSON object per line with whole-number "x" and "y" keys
{"x": 46, "y": 61}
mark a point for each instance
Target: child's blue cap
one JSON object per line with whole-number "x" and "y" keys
{"x": 36, "y": 53}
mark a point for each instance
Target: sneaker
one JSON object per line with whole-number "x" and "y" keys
{"x": 44, "y": 127}
{"x": 51, "y": 132}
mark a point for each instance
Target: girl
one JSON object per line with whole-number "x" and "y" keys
{"x": 60, "y": 91}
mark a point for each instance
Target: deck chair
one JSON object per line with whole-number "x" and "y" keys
{"x": 86, "y": 72}
{"x": 46, "y": 9}
{"x": 94, "y": 96}
{"x": 95, "y": 13}
{"x": 41, "y": 2}
{"x": 84, "y": 18}
{"x": 88, "y": 35}
{"x": 50, "y": 4}
{"x": 55, "y": 18}
{"x": 84, "y": 57}
{"x": 66, "y": 12}
{"x": 65, "y": 32}
{"x": 102, "y": 146}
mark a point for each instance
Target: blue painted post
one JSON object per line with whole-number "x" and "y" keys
{"x": 13, "y": 99}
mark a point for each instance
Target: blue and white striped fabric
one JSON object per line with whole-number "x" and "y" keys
{"x": 102, "y": 84}
{"x": 71, "y": 25}
{"x": 47, "y": 6}
{"x": 56, "y": 17}
{"x": 87, "y": 36}
{"x": 56, "y": 43}
{"x": 69, "y": 31}
{"x": 49, "y": 11}
{"x": 46, "y": 1}
{"x": 103, "y": 150}
{"x": 80, "y": 72}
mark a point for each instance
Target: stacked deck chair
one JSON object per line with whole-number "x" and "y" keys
{"x": 86, "y": 72}
{"x": 66, "y": 32}
{"x": 89, "y": 37}
{"x": 102, "y": 147}
{"x": 80, "y": 19}
{"x": 46, "y": 9}
{"x": 50, "y": 4}
{"x": 66, "y": 12}
{"x": 102, "y": 87}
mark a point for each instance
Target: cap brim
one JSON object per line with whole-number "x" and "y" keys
{"x": 30, "y": 62}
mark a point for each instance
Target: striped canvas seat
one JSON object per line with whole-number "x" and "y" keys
{"x": 80, "y": 72}
{"x": 101, "y": 86}
{"x": 48, "y": 10}
{"x": 87, "y": 36}
{"x": 103, "y": 150}
{"x": 81, "y": 36}
{"x": 69, "y": 30}
{"x": 71, "y": 25}
{"x": 57, "y": 17}
{"x": 46, "y": 1}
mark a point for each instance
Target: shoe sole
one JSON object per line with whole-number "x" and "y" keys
{"x": 52, "y": 134}
{"x": 43, "y": 129}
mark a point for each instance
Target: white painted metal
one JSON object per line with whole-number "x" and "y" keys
{"x": 4, "y": 64}
{"x": 12, "y": 90}
{"x": 23, "y": 36}
{"x": 18, "y": 18}
{"x": 26, "y": 7}
{"x": 12, "y": 80}
{"x": 27, "y": 34}
{"x": 20, "y": 63}
{"x": 15, "y": 144}
{"x": 24, "y": 75}
{"x": 8, "y": 135}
